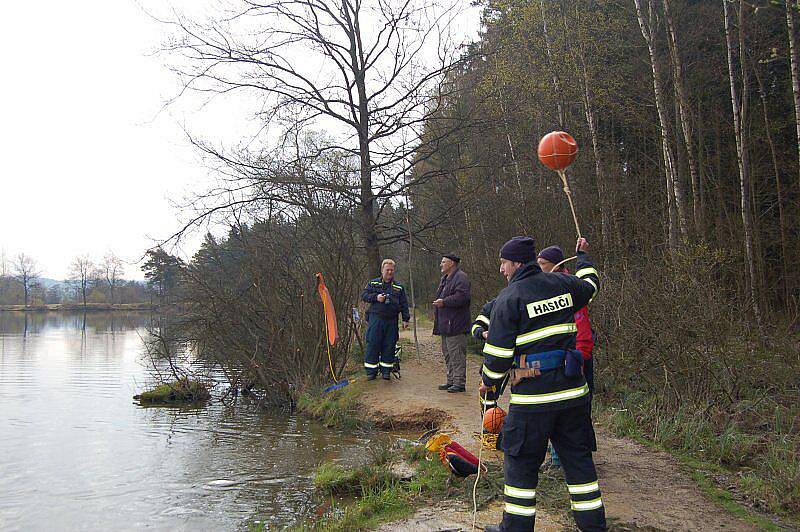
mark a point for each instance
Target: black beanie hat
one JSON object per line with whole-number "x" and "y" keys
{"x": 519, "y": 249}
{"x": 452, "y": 256}
{"x": 552, "y": 254}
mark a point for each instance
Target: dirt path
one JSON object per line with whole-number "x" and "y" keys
{"x": 642, "y": 488}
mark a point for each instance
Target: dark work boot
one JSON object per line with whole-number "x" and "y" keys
{"x": 491, "y": 528}
{"x": 444, "y": 386}
{"x": 456, "y": 389}
{"x": 386, "y": 376}
{"x": 371, "y": 376}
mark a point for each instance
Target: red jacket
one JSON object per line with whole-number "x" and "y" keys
{"x": 584, "y": 340}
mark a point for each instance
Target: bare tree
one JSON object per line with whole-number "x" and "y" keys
{"x": 26, "y": 270}
{"x": 683, "y": 114}
{"x": 791, "y": 26}
{"x": 739, "y": 104}
{"x": 112, "y": 270}
{"x": 675, "y": 189}
{"x": 370, "y": 76}
{"x": 82, "y": 273}
{"x": 604, "y": 198}
{"x": 785, "y": 275}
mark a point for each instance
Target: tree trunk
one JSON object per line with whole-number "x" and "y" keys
{"x": 411, "y": 276}
{"x": 602, "y": 191}
{"x": 605, "y": 200}
{"x": 520, "y": 220}
{"x": 741, "y": 134}
{"x": 600, "y": 175}
{"x": 367, "y": 198}
{"x": 683, "y": 111}
{"x": 371, "y": 248}
{"x": 553, "y": 74}
{"x": 781, "y": 221}
{"x": 700, "y": 165}
{"x": 791, "y": 25}
{"x": 675, "y": 196}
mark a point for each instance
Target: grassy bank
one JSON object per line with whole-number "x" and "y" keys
{"x": 380, "y": 494}
{"x": 745, "y": 470}
{"x": 395, "y": 481}
{"x": 339, "y": 408}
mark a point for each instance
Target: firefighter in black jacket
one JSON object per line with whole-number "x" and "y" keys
{"x": 480, "y": 331}
{"x": 480, "y": 327}
{"x": 532, "y": 342}
{"x": 387, "y": 299}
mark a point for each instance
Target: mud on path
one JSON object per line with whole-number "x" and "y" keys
{"x": 642, "y": 489}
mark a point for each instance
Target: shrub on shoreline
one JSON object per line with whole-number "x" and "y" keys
{"x": 181, "y": 391}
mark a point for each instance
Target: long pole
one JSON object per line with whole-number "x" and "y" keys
{"x": 563, "y": 175}
{"x": 411, "y": 277}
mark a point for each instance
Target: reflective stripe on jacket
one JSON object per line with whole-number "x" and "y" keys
{"x": 584, "y": 340}
{"x": 481, "y": 322}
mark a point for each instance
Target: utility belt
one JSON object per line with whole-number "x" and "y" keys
{"x": 532, "y": 365}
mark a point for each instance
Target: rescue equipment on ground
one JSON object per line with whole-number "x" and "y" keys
{"x": 461, "y": 462}
{"x": 557, "y": 150}
{"x": 493, "y": 420}
{"x": 398, "y": 349}
{"x": 331, "y": 331}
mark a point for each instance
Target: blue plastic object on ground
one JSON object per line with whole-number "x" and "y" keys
{"x": 338, "y": 385}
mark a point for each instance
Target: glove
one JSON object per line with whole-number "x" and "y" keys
{"x": 488, "y": 393}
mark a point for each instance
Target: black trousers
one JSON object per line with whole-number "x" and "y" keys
{"x": 588, "y": 372}
{"x": 525, "y": 437}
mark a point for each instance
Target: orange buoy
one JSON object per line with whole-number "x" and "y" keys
{"x": 557, "y": 150}
{"x": 493, "y": 419}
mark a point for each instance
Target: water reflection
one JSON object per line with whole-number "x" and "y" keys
{"x": 76, "y": 451}
{"x": 22, "y": 323}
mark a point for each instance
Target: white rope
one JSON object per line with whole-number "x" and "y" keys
{"x": 478, "y": 477}
{"x": 557, "y": 266}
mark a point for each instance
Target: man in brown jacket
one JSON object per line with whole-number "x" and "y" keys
{"x": 451, "y": 321}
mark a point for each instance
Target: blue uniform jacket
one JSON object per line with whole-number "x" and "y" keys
{"x": 396, "y": 301}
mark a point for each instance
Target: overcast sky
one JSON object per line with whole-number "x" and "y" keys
{"x": 91, "y": 163}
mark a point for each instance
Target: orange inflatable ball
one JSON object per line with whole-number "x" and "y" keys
{"x": 557, "y": 150}
{"x": 493, "y": 419}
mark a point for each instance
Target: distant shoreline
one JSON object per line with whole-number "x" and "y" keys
{"x": 90, "y": 307}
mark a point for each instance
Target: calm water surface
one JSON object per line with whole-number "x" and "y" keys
{"x": 77, "y": 453}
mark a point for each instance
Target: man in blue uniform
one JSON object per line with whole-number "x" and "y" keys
{"x": 532, "y": 342}
{"x": 387, "y": 299}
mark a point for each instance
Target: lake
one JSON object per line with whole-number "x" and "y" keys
{"x": 77, "y": 453}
